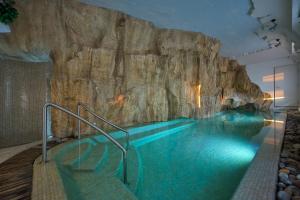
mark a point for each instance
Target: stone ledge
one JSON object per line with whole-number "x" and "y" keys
{"x": 47, "y": 183}
{"x": 259, "y": 182}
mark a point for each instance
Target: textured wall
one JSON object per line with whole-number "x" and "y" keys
{"x": 127, "y": 69}
{"x": 23, "y": 91}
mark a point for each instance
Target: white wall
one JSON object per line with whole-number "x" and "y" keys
{"x": 289, "y": 85}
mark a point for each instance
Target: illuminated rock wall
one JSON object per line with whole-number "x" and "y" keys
{"x": 128, "y": 70}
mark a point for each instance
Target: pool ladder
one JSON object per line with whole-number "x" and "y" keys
{"x": 92, "y": 112}
{"x": 46, "y": 110}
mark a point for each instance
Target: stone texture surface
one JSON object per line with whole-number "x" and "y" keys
{"x": 288, "y": 186}
{"x": 47, "y": 183}
{"x": 126, "y": 69}
{"x": 259, "y": 182}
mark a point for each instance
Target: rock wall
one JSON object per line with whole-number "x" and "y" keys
{"x": 127, "y": 69}
{"x": 237, "y": 87}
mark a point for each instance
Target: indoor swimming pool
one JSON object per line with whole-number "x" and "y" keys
{"x": 182, "y": 159}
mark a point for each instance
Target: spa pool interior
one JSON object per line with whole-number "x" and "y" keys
{"x": 183, "y": 159}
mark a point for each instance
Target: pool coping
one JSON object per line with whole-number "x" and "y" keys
{"x": 46, "y": 182}
{"x": 259, "y": 182}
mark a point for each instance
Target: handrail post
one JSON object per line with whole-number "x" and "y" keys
{"x": 124, "y": 155}
{"x": 45, "y": 122}
{"x": 78, "y": 125}
{"x": 127, "y": 140}
{"x": 45, "y": 137}
{"x": 87, "y": 109}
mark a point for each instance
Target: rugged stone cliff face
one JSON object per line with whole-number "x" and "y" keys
{"x": 128, "y": 70}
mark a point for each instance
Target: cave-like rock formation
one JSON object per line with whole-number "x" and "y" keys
{"x": 126, "y": 69}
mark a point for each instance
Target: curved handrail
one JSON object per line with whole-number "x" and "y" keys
{"x": 45, "y": 124}
{"x": 86, "y": 108}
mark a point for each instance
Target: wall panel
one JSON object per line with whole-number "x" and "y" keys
{"x": 23, "y": 91}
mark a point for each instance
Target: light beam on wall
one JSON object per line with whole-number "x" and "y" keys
{"x": 270, "y": 78}
{"x": 276, "y": 121}
{"x": 199, "y": 95}
{"x": 279, "y": 94}
{"x": 271, "y": 98}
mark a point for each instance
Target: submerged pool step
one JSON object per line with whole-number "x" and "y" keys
{"x": 100, "y": 187}
{"x": 159, "y": 130}
{"x": 72, "y": 152}
{"x": 103, "y": 161}
{"x": 112, "y": 171}
{"x": 113, "y": 162}
{"x": 107, "y": 159}
{"x": 161, "y": 134}
{"x": 97, "y": 157}
{"x": 134, "y": 170}
{"x": 142, "y": 129}
{"x": 98, "y": 173}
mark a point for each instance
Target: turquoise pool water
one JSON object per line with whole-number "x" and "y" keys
{"x": 181, "y": 159}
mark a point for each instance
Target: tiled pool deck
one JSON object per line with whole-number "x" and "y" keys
{"x": 46, "y": 182}
{"x": 48, "y": 185}
{"x": 259, "y": 182}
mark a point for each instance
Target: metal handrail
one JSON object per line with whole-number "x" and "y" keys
{"x": 86, "y": 108}
{"x": 45, "y": 124}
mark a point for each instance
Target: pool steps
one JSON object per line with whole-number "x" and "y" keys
{"x": 99, "y": 159}
{"x": 106, "y": 187}
{"x": 158, "y": 131}
{"x": 95, "y": 155}
{"x": 91, "y": 153}
{"x": 136, "y": 163}
{"x": 71, "y": 153}
{"x": 134, "y": 169}
{"x": 103, "y": 179}
{"x": 141, "y": 129}
{"x": 95, "y": 158}
{"x": 151, "y": 138}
